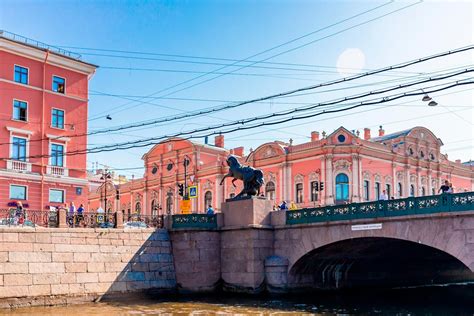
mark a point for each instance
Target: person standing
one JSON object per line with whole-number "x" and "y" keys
{"x": 383, "y": 196}
{"x": 210, "y": 210}
{"x": 445, "y": 187}
{"x": 283, "y": 206}
{"x": 19, "y": 213}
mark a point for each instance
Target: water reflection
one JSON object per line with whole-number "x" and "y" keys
{"x": 440, "y": 301}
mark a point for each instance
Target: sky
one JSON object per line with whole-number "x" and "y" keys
{"x": 159, "y": 59}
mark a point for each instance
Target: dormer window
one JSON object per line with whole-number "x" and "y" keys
{"x": 341, "y": 138}
{"x": 59, "y": 84}
{"x": 169, "y": 167}
{"x": 432, "y": 156}
{"x": 422, "y": 154}
{"x": 410, "y": 151}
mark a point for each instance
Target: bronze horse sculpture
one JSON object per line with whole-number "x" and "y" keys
{"x": 252, "y": 178}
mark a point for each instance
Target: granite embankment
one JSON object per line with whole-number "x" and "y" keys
{"x": 46, "y": 266}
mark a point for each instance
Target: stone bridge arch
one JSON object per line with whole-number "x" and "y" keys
{"x": 447, "y": 237}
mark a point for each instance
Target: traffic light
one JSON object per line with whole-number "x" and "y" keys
{"x": 181, "y": 189}
{"x": 117, "y": 195}
{"x": 316, "y": 186}
{"x": 321, "y": 186}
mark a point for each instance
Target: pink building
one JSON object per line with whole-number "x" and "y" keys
{"x": 350, "y": 169}
{"x": 43, "y": 97}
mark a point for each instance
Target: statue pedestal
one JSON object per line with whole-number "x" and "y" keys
{"x": 253, "y": 211}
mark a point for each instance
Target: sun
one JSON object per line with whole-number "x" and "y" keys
{"x": 350, "y": 61}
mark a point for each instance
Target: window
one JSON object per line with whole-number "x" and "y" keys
{"x": 342, "y": 187}
{"x": 57, "y": 153}
{"x": 17, "y": 192}
{"x": 423, "y": 191}
{"x": 56, "y": 196}
{"x": 314, "y": 191}
{"x": 138, "y": 208}
{"x": 412, "y": 190}
{"x": 341, "y": 138}
{"x": 388, "y": 189}
{"x": 270, "y": 190}
{"x": 59, "y": 84}
{"x": 169, "y": 204}
{"x": 57, "y": 119}
{"x": 299, "y": 193}
{"x": 366, "y": 190}
{"x": 20, "y": 110}
{"x": 377, "y": 190}
{"x": 19, "y": 149}
{"x": 154, "y": 208}
{"x": 21, "y": 74}
{"x": 433, "y": 191}
{"x": 207, "y": 199}
{"x": 400, "y": 192}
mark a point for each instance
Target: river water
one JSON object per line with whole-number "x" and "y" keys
{"x": 402, "y": 302}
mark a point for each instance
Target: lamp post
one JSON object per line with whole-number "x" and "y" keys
{"x": 106, "y": 175}
{"x": 186, "y": 164}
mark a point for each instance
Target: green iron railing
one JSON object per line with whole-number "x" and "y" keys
{"x": 195, "y": 221}
{"x": 409, "y": 206}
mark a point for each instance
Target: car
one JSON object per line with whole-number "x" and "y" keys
{"x": 134, "y": 225}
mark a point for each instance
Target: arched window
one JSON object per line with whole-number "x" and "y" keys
{"x": 412, "y": 190}
{"x": 377, "y": 191}
{"x": 433, "y": 191}
{"x": 423, "y": 191}
{"x": 314, "y": 191}
{"x": 207, "y": 199}
{"x": 299, "y": 193}
{"x": 169, "y": 204}
{"x": 270, "y": 190}
{"x": 154, "y": 208}
{"x": 400, "y": 191}
{"x": 138, "y": 207}
{"x": 342, "y": 187}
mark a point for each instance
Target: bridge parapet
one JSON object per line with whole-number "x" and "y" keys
{"x": 400, "y": 207}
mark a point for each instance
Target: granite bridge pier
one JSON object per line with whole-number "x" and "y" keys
{"x": 248, "y": 248}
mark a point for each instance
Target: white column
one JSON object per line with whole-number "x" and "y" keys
{"x": 418, "y": 182}
{"x": 355, "y": 179}
{"x": 323, "y": 178}
{"x": 329, "y": 187}
{"x": 406, "y": 190}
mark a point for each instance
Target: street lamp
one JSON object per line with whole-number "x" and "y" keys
{"x": 106, "y": 175}
{"x": 427, "y": 98}
{"x": 186, "y": 164}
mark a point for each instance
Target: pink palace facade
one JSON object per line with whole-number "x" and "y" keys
{"x": 352, "y": 168}
{"x": 43, "y": 105}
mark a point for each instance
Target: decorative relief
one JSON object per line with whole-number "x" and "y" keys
{"x": 299, "y": 178}
{"x": 423, "y": 180}
{"x": 313, "y": 176}
{"x": 207, "y": 185}
{"x": 138, "y": 196}
{"x": 270, "y": 176}
{"x": 341, "y": 164}
{"x": 269, "y": 152}
{"x": 366, "y": 175}
{"x": 400, "y": 175}
{"x": 412, "y": 178}
{"x": 388, "y": 179}
{"x": 154, "y": 195}
{"x": 377, "y": 177}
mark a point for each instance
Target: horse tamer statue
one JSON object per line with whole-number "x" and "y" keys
{"x": 252, "y": 178}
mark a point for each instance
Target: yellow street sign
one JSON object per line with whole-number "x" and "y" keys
{"x": 185, "y": 206}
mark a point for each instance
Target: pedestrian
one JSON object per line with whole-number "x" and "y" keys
{"x": 210, "y": 210}
{"x": 283, "y": 206}
{"x": 450, "y": 189}
{"x": 80, "y": 210}
{"x": 445, "y": 187}
{"x": 72, "y": 209}
{"x": 383, "y": 196}
{"x": 19, "y": 213}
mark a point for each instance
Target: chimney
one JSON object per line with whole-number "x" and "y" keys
{"x": 381, "y": 131}
{"x": 366, "y": 133}
{"x": 219, "y": 141}
{"x": 239, "y": 151}
{"x": 314, "y": 136}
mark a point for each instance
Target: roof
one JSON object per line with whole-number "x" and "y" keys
{"x": 43, "y": 46}
{"x": 391, "y": 136}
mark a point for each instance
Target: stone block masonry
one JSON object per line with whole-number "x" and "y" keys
{"x": 62, "y": 265}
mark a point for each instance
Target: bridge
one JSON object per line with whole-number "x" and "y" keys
{"x": 406, "y": 242}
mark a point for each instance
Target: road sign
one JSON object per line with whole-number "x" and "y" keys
{"x": 193, "y": 191}
{"x": 185, "y": 206}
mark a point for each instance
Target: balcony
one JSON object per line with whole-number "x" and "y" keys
{"x": 19, "y": 166}
{"x": 57, "y": 171}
